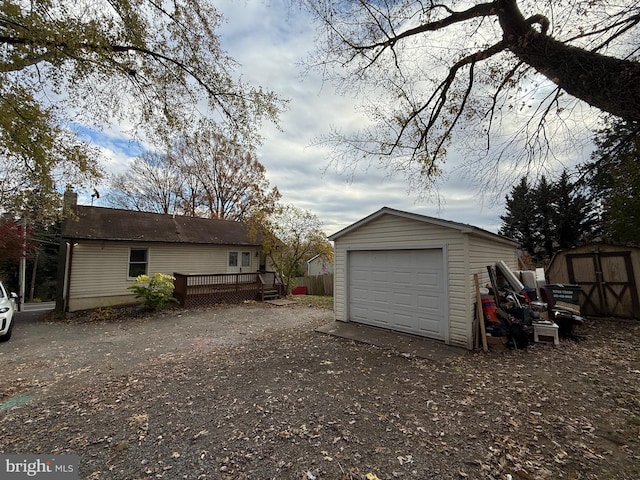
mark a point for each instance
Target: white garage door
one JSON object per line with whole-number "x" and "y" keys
{"x": 401, "y": 290}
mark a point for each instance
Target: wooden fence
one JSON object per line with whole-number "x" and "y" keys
{"x": 316, "y": 285}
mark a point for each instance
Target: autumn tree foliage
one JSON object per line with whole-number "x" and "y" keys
{"x": 505, "y": 79}
{"x": 202, "y": 175}
{"x": 221, "y": 178}
{"x": 154, "y": 66}
{"x": 290, "y": 236}
{"x": 11, "y": 240}
{"x": 15, "y": 242}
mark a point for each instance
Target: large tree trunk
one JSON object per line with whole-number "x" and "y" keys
{"x": 607, "y": 83}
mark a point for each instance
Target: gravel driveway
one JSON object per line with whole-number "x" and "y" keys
{"x": 252, "y": 392}
{"x": 50, "y": 354}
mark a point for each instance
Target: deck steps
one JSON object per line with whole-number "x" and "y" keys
{"x": 270, "y": 294}
{"x": 270, "y": 286}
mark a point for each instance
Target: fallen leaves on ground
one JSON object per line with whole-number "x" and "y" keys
{"x": 295, "y": 404}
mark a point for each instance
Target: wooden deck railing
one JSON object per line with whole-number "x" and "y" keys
{"x": 270, "y": 286}
{"x": 206, "y": 289}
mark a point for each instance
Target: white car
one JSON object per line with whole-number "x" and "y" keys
{"x": 7, "y": 307}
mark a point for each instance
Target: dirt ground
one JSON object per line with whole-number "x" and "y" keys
{"x": 252, "y": 392}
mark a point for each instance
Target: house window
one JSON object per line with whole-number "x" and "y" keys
{"x": 239, "y": 262}
{"x": 138, "y": 260}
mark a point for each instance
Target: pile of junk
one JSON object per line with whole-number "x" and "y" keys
{"x": 515, "y": 314}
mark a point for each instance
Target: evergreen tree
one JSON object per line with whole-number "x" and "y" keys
{"x": 544, "y": 218}
{"x": 549, "y": 216}
{"x": 614, "y": 177}
{"x": 517, "y": 222}
{"x": 575, "y": 217}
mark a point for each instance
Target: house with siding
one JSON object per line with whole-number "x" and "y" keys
{"x": 414, "y": 274}
{"x": 319, "y": 265}
{"x": 103, "y": 250}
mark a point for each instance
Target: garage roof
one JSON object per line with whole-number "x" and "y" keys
{"x": 99, "y": 223}
{"x": 460, "y": 227}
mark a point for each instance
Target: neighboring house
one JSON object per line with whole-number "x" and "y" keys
{"x": 319, "y": 265}
{"x": 103, "y": 250}
{"x": 414, "y": 274}
{"x": 608, "y": 274}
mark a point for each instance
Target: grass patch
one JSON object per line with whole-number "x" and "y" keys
{"x": 316, "y": 301}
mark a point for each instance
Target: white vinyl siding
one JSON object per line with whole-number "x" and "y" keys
{"x": 100, "y": 269}
{"x": 465, "y": 253}
{"x": 481, "y": 253}
{"x": 319, "y": 266}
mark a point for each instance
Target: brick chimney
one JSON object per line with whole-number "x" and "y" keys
{"x": 69, "y": 200}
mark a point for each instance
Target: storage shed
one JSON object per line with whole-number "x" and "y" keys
{"x": 414, "y": 274}
{"x": 608, "y": 274}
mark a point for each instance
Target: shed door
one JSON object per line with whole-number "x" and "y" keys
{"x": 608, "y": 282}
{"x": 401, "y": 290}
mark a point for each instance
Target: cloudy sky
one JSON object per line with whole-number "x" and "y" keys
{"x": 269, "y": 39}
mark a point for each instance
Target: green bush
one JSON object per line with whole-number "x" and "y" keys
{"x": 156, "y": 291}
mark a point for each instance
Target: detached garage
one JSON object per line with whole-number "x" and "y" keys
{"x": 414, "y": 274}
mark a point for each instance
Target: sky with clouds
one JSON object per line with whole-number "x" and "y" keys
{"x": 269, "y": 39}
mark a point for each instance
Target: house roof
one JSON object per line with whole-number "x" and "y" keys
{"x": 99, "y": 223}
{"x": 313, "y": 258}
{"x": 319, "y": 256}
{"x": 460, "y": 227}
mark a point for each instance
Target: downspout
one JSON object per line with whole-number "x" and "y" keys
{"x": 67, "y": 276}
{"x": 61, "y": 275}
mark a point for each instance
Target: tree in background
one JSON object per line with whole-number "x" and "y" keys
{"x": 38, "y": 157}
{"x": 32, "y": 215}
{"x": 549, "y": 216}
{"x": 614, "y": 177}
{"x": 67, "y": 64}
{"x": 290, "y": 236}
{"x": 152, "y": 184}
{"x": 154, "y": 65}
{"x": 574, "y": 214}
{"x": 190, "y": 195}
{"x": 543, "y": 216}
{"x": 517, "y": 221}
{"x": 15, "y": 240}
{"x": 203, "y": 175}
{"x": 220, "y": 178}
{"x": 507, "y": 71}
